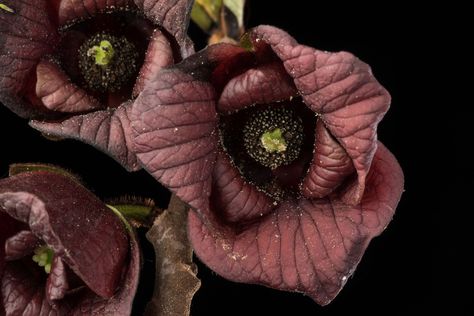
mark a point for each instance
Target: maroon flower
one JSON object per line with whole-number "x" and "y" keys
{"x": 275, "y": 147}
{"x": 75, "y": 66}
{"x": 49, "y": 220}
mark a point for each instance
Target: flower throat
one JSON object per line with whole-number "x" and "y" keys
{"x": 107, "y": 62}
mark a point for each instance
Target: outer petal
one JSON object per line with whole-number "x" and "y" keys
{"x": 339, "y": 87}
{"x": 174, "y": 121}
{"x": 73, "y": 222}
{"x": 304, "y": 246}
{"x": 173, "y": 15}
{"x": 121, "y": 303}
{"x": 107, "y": 130}
{"x": 26, "y": 35}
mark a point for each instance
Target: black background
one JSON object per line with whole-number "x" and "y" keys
{"x": 397, "y": 274}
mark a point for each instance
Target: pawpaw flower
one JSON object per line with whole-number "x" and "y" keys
{"x": 76, "y": 66}
{"x": 62, "y": 251}
{"x": 274, "y": 146}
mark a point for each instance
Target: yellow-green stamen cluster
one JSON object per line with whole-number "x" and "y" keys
{"x": 102, "y": 53}
{"x": 44, "y": 257}
{"x": 273, "y": 141}
{"x": 273, "y": 136}
{"x": 107, "y": 62}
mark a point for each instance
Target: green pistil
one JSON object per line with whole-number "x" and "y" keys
{"x": 273, "y": 136}
{"x": 273, "y": 141}
{"x": 103, "y": 53}
{"x": 107, "y": 62}
{"x": 44, "y": 257}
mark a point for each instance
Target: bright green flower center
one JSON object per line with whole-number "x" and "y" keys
{"x": 273, "y": 141}
{"x": 102, "y": 53}
{"x": 44, "y": 257}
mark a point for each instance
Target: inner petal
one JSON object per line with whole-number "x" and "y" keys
{"x": 20, "y": 245}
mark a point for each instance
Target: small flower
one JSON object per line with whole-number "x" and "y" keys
{"x": 62, "y": 251}
{"x": 74, "y": 67}
{"x": 274, "y": 145}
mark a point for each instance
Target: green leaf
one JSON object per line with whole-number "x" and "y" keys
{"x": 17, "y": 168}
{"x": 212, "y": 8}
{"x": 201, "y": 18}
{"x": 237, "y": 8}
{"x": 122, "y": 218}
{"x": 6, "y": 8}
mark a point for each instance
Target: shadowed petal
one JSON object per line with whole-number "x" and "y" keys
{"x": 121, "y": 303}
{"x": 305, "y": 246}
{"x": 58, "y": 93}
{"x": 265, "y": 84}
{"x": 73, "y": 222}
{"x": 236, "y": 199}
{"x": 8, "y": 228}
{"x": 174, "y": 121}
{"x": 108, "y": 131}
{"x": 23, "y": 293}
{"x": 27, "y": 34}
{"x": 339, "y": 87}
{"x": 20, "y": 245}
{"x": 70, "y": 10}
{"x": 330, "y": 165}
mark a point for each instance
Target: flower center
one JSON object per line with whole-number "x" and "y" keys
{"x": 44, "y": 257}
{"x": 107, "y": 62}
{"x": 273, "y": 136}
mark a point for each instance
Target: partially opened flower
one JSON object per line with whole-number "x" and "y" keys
{"x": 62, "y": 251}
{"x": 275, "y": 147}
{"x": 75, "y": 66}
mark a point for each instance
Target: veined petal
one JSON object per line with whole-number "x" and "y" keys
{"x": 108, "y": 130}
{"x": 309, "y": 246}
{"x": 339, "y": 87}
{"x": 73, "y": 222}
{"x": 26, "y": 35}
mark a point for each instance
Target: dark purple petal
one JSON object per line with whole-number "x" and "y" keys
{"x": 26, "y": 36}
{"x": 73, "y": 222}
{"x": 305, "y": 246}
{"x": 173, "y": 15}
{"x": 339, "y": 87}
{"x": 57, "y": 283}
{"x": 71, "y": 10}
{"x": 22, "y": 293}
{"x": 8, "y": 228}
{"x": 158, "y": 55}
{"x": 330, "y": 166}
{"x": 107, "y": 130}
{"x": 58, "y": 93}
{"x": 174, "y": 122}
{"x": 121, "y": 303}
{"x": 264, "y": 84}
{"x": 236, "y": 199}
{"x": 20, "y": 245}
